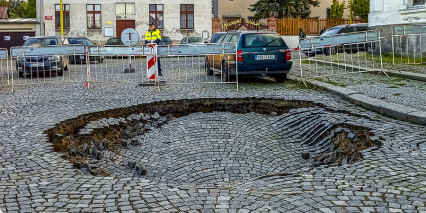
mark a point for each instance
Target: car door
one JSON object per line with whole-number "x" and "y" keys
{"x": 217, "y": 62}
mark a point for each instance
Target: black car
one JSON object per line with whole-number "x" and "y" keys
{"x": 50, "y": 64}
{"x": 74, "y": 59}
{"x": 165, "y": 40}
{"x": 258, "y": 53}
{"x": 114, "y": 41}
{"x": 337, "y": 30}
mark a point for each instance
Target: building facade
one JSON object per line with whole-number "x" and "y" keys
{"x": 100, "y": 20}
{"x": 390, "y": 12}
{"x": 384, "y": 14}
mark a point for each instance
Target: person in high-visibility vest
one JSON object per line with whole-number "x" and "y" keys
{"x": 154, "y": 36}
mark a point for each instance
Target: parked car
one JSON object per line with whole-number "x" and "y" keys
{"x": 114, "y": 41}
{"x": 216, "y": 37}
{"x": 258, "y": 53}
{"x": 337, "y": 30}
{"x": 50, "y": 64}
{"x": 75, "y": 59}
{"x": 165, "y": 40}
{"x": 192, "y": 40}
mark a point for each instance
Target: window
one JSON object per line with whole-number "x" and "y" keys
{"x": 122, "y": 9}
{"x": 94, "y": 20}
{"x": 417, "y": 2}
{"x": 156, "y": 15}
{"x": 66, "y": 9}
{"x": 234, "y": 39}
{"x": 328, "y": 12}
{"x": 186, "y": 16}
{"x": 347, "y": 30}
{"x": 263, "y": 40}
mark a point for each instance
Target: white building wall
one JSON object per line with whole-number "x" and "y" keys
{"x": 390, "y": 12}
{"x": 78, "y": 26}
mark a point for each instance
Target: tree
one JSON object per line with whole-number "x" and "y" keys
{"x": 337, "y": 9}
{"x": 20, "y": 8}
{"x": 360, "y": 8}
{"x": 283, "y": 8}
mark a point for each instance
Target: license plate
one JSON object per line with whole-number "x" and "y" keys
{"x": 36, "y": 65}
{"x": 265, "y": 57}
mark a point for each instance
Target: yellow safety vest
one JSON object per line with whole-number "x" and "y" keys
{"x": 152, "y": 36}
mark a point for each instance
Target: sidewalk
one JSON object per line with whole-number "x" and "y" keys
{"x": 401, "y": 98}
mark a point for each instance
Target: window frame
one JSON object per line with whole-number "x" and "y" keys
{"x": 93, "y": 12}
{"x": 421, "y": 2}
{"x": 186, "y": 13}
{"x": 66, "y": 12}
{"x": 125, "y": 8}
{"x": 156, "y": 12}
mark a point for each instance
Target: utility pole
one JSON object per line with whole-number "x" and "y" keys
{"x": 350, "y": 11}
{"x": 62, "y": 20}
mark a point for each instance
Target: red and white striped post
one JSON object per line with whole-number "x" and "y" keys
{"x": 152, "y": 67}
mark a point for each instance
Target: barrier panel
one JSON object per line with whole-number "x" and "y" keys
{"x": 407, "y": 44}
{"x": 145, "y": 64}
{"x": 341, "y": 54}
{"x": 47, "y": 64}
{"x": 4, "y": 67}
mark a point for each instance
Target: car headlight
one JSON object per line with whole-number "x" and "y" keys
{"x": 53, "y": 58}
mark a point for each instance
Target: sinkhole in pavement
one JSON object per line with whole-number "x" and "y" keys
{"x": 210, "y": 140}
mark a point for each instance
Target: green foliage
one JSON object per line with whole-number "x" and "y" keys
{"x": 337, "y": 9}
{"x": 283, "y": 8}
{"x": 20, "y": 8}
{"x": 360, "y": 8}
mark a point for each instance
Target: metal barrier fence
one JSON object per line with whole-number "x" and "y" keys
{"x": 4, "y": 67}
{"x": 342, "y": 54}
{"x": 146, "y": 64}
{"x": 407, "y": 41}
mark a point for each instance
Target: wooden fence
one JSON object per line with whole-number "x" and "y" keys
{"x": 313, "y": 26}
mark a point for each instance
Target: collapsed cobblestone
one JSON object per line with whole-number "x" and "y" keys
{"x": 34, "y": 178}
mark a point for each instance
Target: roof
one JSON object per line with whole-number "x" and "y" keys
{"x": 45, "y": 37}
{"x": 19, "y": 21}
{"x": 351, "y": 25}
{"x": 4, "y": 13}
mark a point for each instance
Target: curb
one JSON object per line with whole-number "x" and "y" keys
{"x": 393, "y": 73}
{"x": 397, "y": 111}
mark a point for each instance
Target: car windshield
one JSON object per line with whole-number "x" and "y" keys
{"x": 263, "y": 40}
{"x": 216, "y": 37}
{"x": 195, "y": 39}
{"x": 332, "y": 31}
{"x": 80, "y": 41}
{"x": 34, "y": 42}
{"x": 166, "y": 39}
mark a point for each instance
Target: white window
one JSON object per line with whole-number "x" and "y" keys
{"x": 122, "y": 9}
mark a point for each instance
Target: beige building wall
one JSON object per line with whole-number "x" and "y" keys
{"x": 78, "y": 26}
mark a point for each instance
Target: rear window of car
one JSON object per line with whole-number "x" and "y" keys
{"x": 167, "y": 39}
{"x": 215, "y": 37}
{"x": 263, "y": 40}
{"x": 361, "y": 29}
{"x": 195, "y": 39}
{"x": 34, "y": 42}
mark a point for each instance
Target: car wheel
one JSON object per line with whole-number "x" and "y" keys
{"x": 208, "y": 68}
{"x": 330, "y": 50}
{"x": 21, "y": 74}
{"x": 60, "y": 73}
{"x": 281, "y": 77}
{"x": 225, "y": 72}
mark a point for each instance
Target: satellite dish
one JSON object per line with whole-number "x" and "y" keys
{"x": 130, "y": 37}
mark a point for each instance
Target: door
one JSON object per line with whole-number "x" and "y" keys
{"x": 13, "y": 39}
{"x": 124, "y": 24}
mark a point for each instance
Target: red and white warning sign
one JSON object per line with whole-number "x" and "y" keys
{"x": 152, "y": 63}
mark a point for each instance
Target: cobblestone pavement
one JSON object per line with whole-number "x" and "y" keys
{"x": 34, "y": 178}
{"x": 397, "y": 90}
